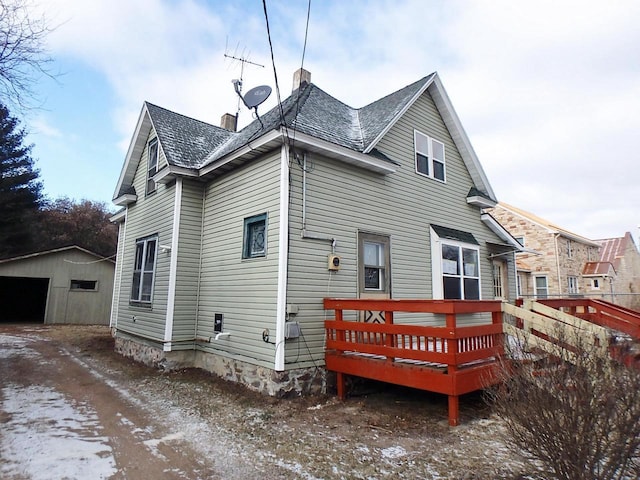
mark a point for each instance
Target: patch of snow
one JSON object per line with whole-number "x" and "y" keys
{"x": 46, "y": 436}
{"x": 12, "y": 346}
{"x": 393, "y": 452}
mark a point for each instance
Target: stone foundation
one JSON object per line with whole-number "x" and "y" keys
{"x": 301, "y": 381}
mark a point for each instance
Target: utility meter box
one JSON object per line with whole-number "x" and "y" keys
{"x": 334, "y": 262}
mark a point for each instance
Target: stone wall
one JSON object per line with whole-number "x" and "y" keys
{"x": 301, "y": 381}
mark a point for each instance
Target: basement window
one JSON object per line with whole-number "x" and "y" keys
{"x": 91, "y": 285}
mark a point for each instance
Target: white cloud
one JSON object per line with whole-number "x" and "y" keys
{"x": 548, "y": 91}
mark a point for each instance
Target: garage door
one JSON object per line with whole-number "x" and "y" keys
{"x": 23, "y": 299}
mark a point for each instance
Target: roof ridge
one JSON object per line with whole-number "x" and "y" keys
{"x": 183, "y": 115}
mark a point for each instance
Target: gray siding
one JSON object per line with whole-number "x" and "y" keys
{"x": 117, "y": 277}
{"x": 189, "y": 244}
{"x": 149, "y": 215}
{"x": 243, "y": 290}
{"x": 342, "y": 200}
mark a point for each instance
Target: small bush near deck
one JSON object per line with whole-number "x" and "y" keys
{"x": 576, "y": 412}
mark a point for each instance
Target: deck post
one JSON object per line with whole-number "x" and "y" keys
{"x": 454, "y": 411}
{"x": 340, "y": 383}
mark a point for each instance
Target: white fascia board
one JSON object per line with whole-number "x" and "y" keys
{"x": 460, "y": 138}
{"x": 400, "y": 114}
{"x": 346, "y": 155}
{"x": 136, "y": 146}
{"x": 171, "y": 172}
{"x": 257, "y": 143}
{"x": 119, "y": 217}
{"x": 126, "y": 199}
{"x": 500, "y": 231}
{"x": 481, "y": 202}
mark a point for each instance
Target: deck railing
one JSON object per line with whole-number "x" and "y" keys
{"x": 452, "y": 359}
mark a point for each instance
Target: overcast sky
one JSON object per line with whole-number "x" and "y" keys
{"x": 547, "y": 91}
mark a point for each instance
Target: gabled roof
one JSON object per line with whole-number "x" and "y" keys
{"x": 56, "y": 250}
{"x": 550, "y": 227}
{"x": 309, "y": 111}
{"x": 612, "y": 250}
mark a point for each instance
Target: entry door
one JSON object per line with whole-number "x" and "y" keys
{"x": 500, "y": 291}
{"x": 374, "y": 271}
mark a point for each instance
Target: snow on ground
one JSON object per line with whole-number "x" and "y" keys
{"x": 45, "y": 435}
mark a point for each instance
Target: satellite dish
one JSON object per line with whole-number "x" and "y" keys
{"x": 256, "y": 96}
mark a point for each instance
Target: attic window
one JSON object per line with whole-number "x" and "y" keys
{"x": 152, "y": 165}
{"x": 429, "y": 156}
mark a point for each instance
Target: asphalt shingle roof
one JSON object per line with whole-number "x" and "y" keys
{"x": 191, "y": 143}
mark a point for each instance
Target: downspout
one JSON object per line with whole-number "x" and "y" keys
{"x": 283, "y": 249}
{"x": 173, "y": 267}
{"x": 555, "y": 239}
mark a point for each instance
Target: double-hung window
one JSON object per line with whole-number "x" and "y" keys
{"x": 455, "y": 264}
{"x": 542, "y": 287}
{"x": 255, "y": 236}
{"x": 144, "y": 266}
{"x": 569, "y": 249}
{"x": 152, "y": 165}
{"x": 572, "y": 285}
{"x": 429, "y": 156}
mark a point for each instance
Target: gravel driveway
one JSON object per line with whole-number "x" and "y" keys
{"x": 73, "y": 409}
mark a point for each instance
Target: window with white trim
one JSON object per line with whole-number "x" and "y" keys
{"x": 455, "y": 265}
{"x": 542, "y": 287}
{"x": 255, "y": 236}
{"x": 572, "y": 285}
{"x": 144, "y": 266}
{"x": 596, "y": 284}
{"x": 569, "y": 249}
{"x": 429, "y": 156}
{"x": 152, "y": 165}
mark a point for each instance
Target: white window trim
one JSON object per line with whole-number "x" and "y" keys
{"x": 535, "y": 286}
{"x": 150, "y": 174}
{"x": 436, "y": 264}
{"x": 575, "y": 282}
{"x": 429, "y": 155}
{"x": 145, "y": 241}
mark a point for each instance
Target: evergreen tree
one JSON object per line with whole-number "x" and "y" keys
{"x": 20, "y": 188}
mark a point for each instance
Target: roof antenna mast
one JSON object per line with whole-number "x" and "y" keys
{"x": 255, "y": 96}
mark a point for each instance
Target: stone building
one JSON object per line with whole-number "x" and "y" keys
{"x": 554, "y": 258}
{"x": 616, "y": 274}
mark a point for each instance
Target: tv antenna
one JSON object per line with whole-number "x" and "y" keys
{"x": 254, "y": 97}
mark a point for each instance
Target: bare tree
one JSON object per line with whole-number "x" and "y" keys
{"x": 23, "y": 54}
{"x": 577, "y": 412}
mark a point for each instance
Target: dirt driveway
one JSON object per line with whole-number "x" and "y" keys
{"x": 71, "y": 408}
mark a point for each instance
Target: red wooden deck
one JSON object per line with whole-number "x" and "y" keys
{"x": 450, "y": 359}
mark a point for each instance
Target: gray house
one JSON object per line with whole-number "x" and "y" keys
{"x": 63, "y": 285}
{"x": 229, "y": 241}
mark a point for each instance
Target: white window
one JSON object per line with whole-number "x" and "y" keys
{"x": 521, "y": 285}
{"x": 542, "y": 287}
{"x": 569, "y": 249}
{"x": 152, "y": 165}
{"x": 596, "y": 284}
{"x": 144, "y": 266}
{"x": 455, "y": 268}
{"x": 255, "y": 236}
{"x": 429, "y": 156}
{"x": 520, "y": 240}
{"x": 572, "y": 285}
{"x": 374, "y": 268}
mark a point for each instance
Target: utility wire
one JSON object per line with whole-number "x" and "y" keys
{"x": 273, "y": 62}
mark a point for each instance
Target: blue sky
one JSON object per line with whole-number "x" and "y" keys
{"x": 548, "y": 92}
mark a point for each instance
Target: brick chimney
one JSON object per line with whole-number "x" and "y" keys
{"x": 301, "y": 77}
{"x": 228, "y": 122}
